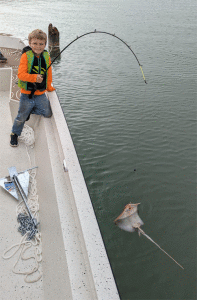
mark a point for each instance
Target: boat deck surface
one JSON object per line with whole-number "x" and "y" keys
{"x": 12, "y": 286}
{"x": 13, "y": 58}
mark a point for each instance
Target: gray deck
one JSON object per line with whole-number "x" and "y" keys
{"x": 12, "y": 286}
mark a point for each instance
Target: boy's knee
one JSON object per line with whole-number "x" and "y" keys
{"x": 48, "y": 115}
{"x": 20, "y": 120}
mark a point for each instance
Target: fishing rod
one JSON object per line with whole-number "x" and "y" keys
{"x": 77, "y": 38}
{"x": 104, "y": 32}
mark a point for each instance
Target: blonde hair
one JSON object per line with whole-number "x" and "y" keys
{"x": 37, "y": 34}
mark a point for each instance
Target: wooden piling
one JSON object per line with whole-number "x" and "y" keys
{"x": 53, "y": 40}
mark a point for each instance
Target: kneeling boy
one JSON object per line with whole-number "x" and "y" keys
{"x": 34, "y": 62}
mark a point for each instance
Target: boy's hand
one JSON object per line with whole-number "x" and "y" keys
{"x": 39, "y": 79}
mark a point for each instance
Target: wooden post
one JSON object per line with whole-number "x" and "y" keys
{"x": 53, "y": 40}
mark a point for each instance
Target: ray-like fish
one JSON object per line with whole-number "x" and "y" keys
{"x": 129, "y": 220}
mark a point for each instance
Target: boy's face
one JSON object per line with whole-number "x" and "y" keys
{"x": 37, "y": 45}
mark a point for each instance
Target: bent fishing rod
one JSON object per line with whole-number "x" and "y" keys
{"x": 93, "y": 32}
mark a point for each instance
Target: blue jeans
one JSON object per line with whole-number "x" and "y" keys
{"x": 39, "y": 105}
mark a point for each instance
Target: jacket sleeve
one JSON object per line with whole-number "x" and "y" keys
{"x": 50, "y": 88}
{"x": 23, "y": 70}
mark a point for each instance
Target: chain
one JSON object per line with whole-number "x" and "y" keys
{"x": 26, "y": 226}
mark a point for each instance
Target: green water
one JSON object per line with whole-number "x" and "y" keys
{"x": 119, "y": 124}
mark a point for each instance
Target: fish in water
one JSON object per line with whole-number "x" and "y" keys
{"x": 129, "y": 220}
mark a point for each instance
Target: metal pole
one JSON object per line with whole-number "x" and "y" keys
{"x": 22, "y": 193}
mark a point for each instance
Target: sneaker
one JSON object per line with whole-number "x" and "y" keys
{"x": 14, "y": 140}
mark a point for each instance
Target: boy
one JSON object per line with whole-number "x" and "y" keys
{"x": 34, "y": 62}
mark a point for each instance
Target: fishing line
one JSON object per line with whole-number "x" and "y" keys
{"x": 140, "y": 122}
